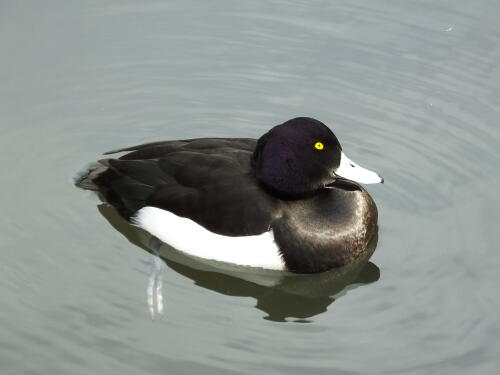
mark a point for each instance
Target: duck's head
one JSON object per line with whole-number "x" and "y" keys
{"x": 302, "y": 156}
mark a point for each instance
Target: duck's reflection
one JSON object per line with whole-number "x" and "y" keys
{"x": 281, "y": 295}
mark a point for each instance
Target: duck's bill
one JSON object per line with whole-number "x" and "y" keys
{"x": 349, "y": 170}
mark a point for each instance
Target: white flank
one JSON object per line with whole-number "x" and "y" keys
{"x": 193, "y": 239}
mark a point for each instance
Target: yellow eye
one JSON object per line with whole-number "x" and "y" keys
{"x": 318, "y": 146}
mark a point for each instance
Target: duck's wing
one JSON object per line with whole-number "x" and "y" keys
{"x": 209, "y": 181}
{"x": 206, "y": 145}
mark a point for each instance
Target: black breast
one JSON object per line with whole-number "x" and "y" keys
{"x": 327, "y": 230}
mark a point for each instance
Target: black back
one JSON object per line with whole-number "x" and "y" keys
{"x": 207, "y": 180}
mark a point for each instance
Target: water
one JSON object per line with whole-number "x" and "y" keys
{"x": 412, "y": 91}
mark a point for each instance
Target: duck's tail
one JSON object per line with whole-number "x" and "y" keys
{"x": 87, "y": 179}
{"x": 121, "y": 183}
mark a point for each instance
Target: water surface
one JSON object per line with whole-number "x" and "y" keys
{"x": 412, "y": 90}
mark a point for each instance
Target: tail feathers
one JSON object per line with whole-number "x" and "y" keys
{"x": 118, "y": 185}
{"x": 87, "y": 180}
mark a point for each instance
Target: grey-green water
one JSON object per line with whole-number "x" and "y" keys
{"x": 412, "y": 89}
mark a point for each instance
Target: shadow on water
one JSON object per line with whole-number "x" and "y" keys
{"x": 280, "y": 294}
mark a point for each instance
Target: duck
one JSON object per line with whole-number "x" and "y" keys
{"x": 290, "y": 200}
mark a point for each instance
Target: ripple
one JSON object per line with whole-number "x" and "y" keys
{"x": 412, "y": 91}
